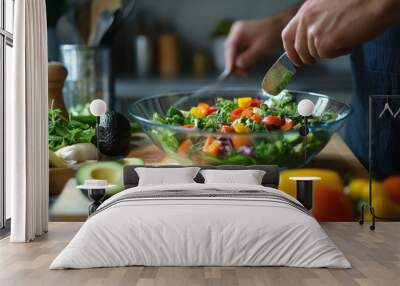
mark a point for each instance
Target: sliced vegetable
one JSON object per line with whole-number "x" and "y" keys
{"x": 198, "y": 112}
{"x": 226, "y": 129}
{"x": 248, "y": 112}
{"x": 212, "y": 146}
{"x": 78, "y": 152}
{"x": 256, "y": 117}
{"x": 189, "y": 126}
{"x": 185, "y": 147}
{"x": 240, "y": 140}
{"x": 236, "y": 113}
{"x": 242, "y": 128}
{"x": 289, "y": 124}
{"x": 244, "y": 102}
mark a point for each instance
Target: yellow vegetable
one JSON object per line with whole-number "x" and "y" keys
{"x": 358, "y": 189}
{"x": 384, "y": 206}
{"x": 244, "y": 102}
{"x": 198, "y": 112}
{"x": 241, "y": 128}
{"x": 329, "y": 179}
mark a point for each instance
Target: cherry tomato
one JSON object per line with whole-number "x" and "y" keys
{"x": 255, "y": 103}
{"x": 211, "y": 110}
{"x": 226, "y": 129}
{"x": 273, "y": 120}
{"x": 236, "y": 113}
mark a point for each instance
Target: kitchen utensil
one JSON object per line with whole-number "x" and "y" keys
{"x": 214, "y": 86}
{"x": 104, "y": 22}
{"x": 279, "y": 75}
{"x": 120, "y": 16}
{"x": 83, "y": 20}
{"x": 57, "y": 75}
{"x": 67, "y": 30}
{"x": 283, "y": 148}
{"x": 96, "y": 8}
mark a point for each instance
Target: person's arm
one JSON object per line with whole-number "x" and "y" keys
{"x": 327, "y": 29}
{"x": 250, "y": 40}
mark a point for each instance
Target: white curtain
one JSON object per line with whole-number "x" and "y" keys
{"x": 26, "y": 124}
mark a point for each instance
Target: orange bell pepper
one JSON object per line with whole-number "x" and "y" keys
{"x": 212, "y": 146}
{"x": 256, "y": 117}
{"x": 240, "y": 140}
{"x": 184, "y": 147}
{"x": 248, "y": 112}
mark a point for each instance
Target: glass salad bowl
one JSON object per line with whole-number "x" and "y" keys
{"x": 205, "y": 141}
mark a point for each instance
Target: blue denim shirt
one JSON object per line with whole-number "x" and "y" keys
{"x": 376, "y": 71}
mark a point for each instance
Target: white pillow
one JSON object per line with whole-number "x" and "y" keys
{"x": 247, "y": 177}
{"x": 166, "y": 176}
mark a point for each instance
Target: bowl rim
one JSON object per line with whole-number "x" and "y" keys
{"x": 252, "y": 134}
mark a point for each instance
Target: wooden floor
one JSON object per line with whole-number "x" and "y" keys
{"x": 375, "y": 257}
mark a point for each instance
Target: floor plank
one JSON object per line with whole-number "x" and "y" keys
{"x": 375, "y": 257}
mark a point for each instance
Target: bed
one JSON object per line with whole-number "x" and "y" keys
{"x": 197, "y": 224}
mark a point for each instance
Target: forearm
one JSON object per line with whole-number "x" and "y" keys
{"x": 388, "y": 11}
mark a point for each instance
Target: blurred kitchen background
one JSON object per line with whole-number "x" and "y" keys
{"x": 143, "y": 48}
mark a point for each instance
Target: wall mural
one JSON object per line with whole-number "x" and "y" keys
{"x": 221, "y": 127}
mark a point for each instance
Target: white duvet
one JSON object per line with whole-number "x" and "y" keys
{"x": 201, "y": 231}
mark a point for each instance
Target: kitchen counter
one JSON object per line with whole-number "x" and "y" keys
{"x": 72, "y": 205}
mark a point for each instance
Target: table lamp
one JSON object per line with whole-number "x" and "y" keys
{"x": 98, "y": 108}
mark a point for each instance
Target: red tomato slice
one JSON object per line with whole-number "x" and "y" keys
{"x": 236, "y": 113}
{"x": 255, "y": 103}
{"x": 272, "y": 120}
{"x": 211, "y": 110}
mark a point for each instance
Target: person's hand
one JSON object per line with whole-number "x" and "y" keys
{"x": 248, "y": 41}
{"x": 328, "y": 29}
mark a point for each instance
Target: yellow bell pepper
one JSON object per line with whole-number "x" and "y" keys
{"x": 241, "y": 128}
{"x": 244, "y": 102}
{"x": 384, "y": 206}
{"x": 329, "y": 179}
{"x": 198, "y": 112}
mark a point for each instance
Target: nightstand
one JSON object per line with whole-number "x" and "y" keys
{"x": 304, "y": 190}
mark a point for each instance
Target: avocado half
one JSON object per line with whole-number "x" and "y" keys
{"x": 114, "y": 134}
{"x": 112, "y": 171}
{"x": 106, "y": 170}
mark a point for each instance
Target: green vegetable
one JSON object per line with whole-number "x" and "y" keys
{"x": 65, "y": 132}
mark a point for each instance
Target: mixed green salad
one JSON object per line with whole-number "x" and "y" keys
{"x": 244, "y": 131}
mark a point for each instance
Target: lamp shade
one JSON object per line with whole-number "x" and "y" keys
{"x": 305, "y": 107}
{"x": 98, "y": 107}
